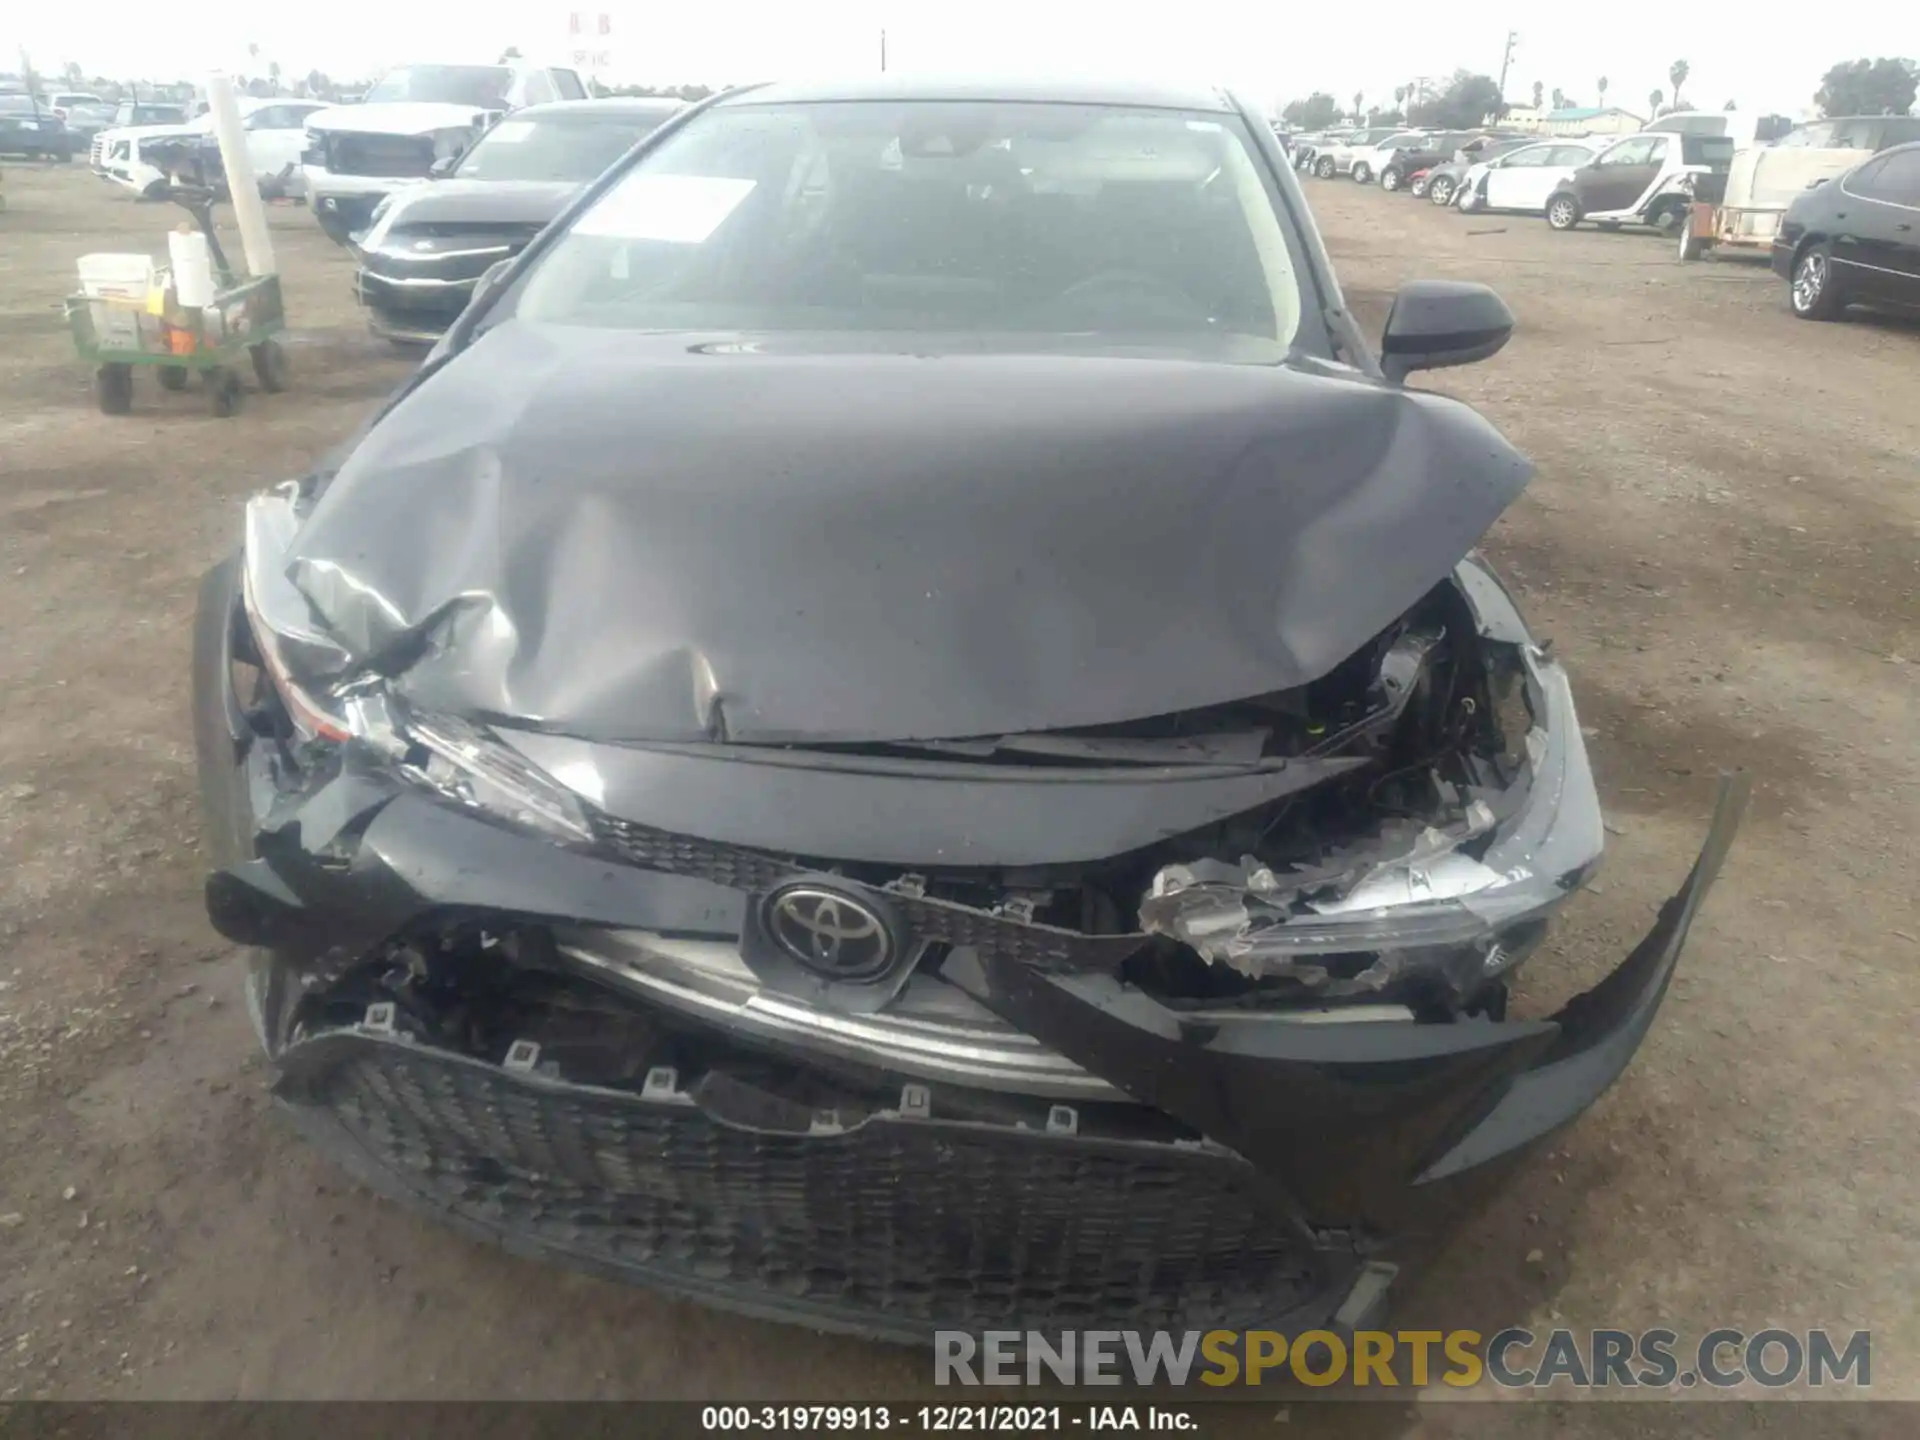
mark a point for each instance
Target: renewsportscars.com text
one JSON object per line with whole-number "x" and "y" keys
{"x": 1381, "y": 1359}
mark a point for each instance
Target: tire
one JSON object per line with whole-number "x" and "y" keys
{"x": 1470, "y": 202}
{"x": 113, "y": 388}
{"x": 1813, "y": 293}
{"x": 1563, "y": 211}
{"x": 172, "y": 377}
{"x": 1390, "y": 180}
{"x": 1362, "y": 172}
{"x": 1440, "y": 190}
{"x": 1418, "y": 189}
{"x": 270, "y": 366}
{"x": 223, "y": 392}
{"x": 1692, "y": 246}
{"x": 1323, "y": 167}
{"x": 1669, "y": 216}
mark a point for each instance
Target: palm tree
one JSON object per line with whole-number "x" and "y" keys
{"x": 1602, "y": 83}
{"x": 1539, "y": 93}
{"x": 1677, "y": 73}
{"x": 1400, "y": 97}
{"x": 1654, "y": 99}
{"x": 1559, "y": 98}
{"x": 1358, "y": 113}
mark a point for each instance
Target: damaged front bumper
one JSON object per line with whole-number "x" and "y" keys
{"x": 1018, "y": 1137}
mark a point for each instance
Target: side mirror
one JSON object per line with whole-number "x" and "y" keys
{"x": 442, "y": 167}
{"x": 1436, "y": 323}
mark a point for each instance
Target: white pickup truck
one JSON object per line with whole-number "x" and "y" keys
{"x": 414, "y": 118}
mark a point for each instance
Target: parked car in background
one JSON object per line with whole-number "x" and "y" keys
{"x": 86, "y": 121}
{"x": 1523, "y": 179}
{"x": 1855, "y": 240}
{"x": 429, "y": 244}
{"x": 61, "y": 101}
{"x": 131, "y": 115}
{"x": 1402, "y": 157}
{"x": 1764, "y": 180}
{"x": 1308, "y": 145}
{"x": 416, "y": 117}
{"x": 1644, "y": 179}
{"x": 1443, "y": 180}
{"x": 1337, "y": 156}
{"x": 685, "y": 823}
{"x": 1369, "y": 164}
{"x": 30, "y": 128}
{"x": 276, "y": 134}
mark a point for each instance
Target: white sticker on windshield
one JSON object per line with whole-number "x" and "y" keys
{"x": 682, "y": 209}
{"x": 510, "y": 132}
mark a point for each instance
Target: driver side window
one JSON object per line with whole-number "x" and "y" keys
{"x": 1629, "y": 152}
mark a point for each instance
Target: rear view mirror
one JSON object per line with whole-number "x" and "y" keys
{"x": 442, "y": 167}
{"x": 1436, "y": 323}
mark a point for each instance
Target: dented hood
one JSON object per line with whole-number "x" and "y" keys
{"x": 650, "y": 537}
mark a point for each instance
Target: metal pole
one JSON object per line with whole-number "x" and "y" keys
{"x": 1506, "y": 59}
{"x": 248, "y": 213}
{"x": 883, "y": 52}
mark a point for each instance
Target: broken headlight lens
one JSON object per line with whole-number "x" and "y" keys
{"x": 1426, "y": 893}
{"x": 466, "y": 763}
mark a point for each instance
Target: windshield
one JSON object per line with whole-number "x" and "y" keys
{"x": 1065, "y": 221}
{"x": 555, "y": 147}
{"x": 18, "y": 105}
{"x": 482, "y": 85}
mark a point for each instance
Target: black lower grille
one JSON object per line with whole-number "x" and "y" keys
{"x": 395, "y": 156}
{"x": 1045, "y": 947}
{"x": 896, "y": 1228}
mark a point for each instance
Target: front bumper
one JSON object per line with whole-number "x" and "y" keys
{"x": 415, "y": 309}
{"x": 1170, "y": 1169}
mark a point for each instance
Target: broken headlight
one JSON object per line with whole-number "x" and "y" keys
{"x": 1421, "y": 889}
{"x": 466, "y": 763}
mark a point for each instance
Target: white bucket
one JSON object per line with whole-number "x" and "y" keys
{"x": 125, "y": 278}
{"x": 192, "y": 268}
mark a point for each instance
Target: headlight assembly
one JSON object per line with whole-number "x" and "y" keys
{"x": 1424, "y": 894}
{"x": 466, "y": 763}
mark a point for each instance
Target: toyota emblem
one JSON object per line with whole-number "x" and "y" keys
{"x": 829, "y": 931}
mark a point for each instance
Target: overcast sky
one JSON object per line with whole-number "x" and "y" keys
{"x": 1270, "y": 50}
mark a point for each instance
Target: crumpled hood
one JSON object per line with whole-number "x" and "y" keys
{"x": 399, "y": 117}
{"x": 510, "y": 202}
{"x": 632, "y": 537}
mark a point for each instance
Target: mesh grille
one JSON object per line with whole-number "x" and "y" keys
{"x": 1044, "y": 947}
{"x": 895, "y": 1227}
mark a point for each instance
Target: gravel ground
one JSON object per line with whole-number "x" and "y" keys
{"x": 1721, "y": 542}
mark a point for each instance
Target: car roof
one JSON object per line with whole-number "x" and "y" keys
{"x": 987, "y": 87}
{"x": 613, "y": 105}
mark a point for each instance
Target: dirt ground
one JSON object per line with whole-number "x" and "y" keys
{"x": 1721, "y": 542}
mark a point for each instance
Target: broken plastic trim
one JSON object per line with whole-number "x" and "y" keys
{"x": 1431, "y": 894}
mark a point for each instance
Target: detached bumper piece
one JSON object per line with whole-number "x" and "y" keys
{"x": 894, "y": 1226}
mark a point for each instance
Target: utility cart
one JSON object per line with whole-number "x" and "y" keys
{"x": 118, "y": 327}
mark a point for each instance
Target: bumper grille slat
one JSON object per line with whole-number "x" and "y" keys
{"x": 896, "y": 1227}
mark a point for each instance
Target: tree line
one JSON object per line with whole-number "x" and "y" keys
{"x": 1886, "y": 86}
